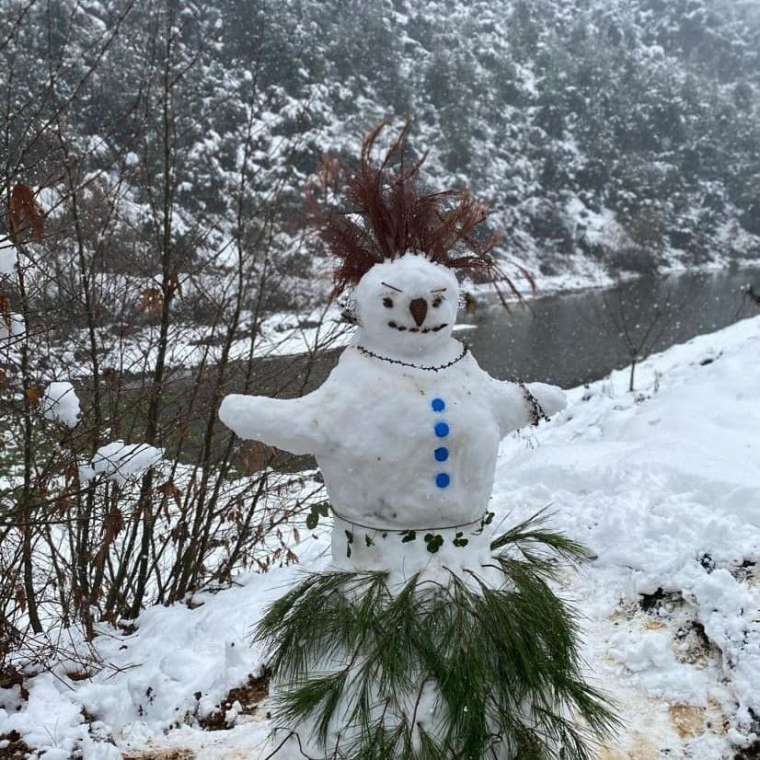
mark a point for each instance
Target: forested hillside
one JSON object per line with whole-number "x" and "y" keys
{"x": 613, "y": 132}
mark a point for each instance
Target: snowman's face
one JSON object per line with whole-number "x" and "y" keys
{"x": 407, "y": 305}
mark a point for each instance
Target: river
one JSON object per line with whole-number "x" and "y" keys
{"x": 573, "y": 338}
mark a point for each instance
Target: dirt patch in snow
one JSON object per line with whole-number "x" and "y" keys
{"x": 12, "y": 748}
{"x": 643, "y": 750}
{"x": 750, "y": 753}
{"x": 689, "y": 720}
{"x": 243, "y": 700}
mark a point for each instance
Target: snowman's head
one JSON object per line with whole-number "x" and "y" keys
{"x": 399, "y": 246}
{"x": 407, "y": 305}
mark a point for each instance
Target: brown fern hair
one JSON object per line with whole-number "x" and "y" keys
{"x": 397, "y": 218}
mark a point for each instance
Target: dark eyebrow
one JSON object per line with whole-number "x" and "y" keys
{"x": 391, "y": 287}
{"x": 439, "y": 290}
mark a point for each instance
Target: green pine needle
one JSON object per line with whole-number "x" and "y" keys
{"x": 353, "y": 659}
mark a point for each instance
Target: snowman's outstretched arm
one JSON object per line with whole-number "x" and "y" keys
{"x": 514, "y": 409}
{"x": 289, "y": 424}
{"x": 551, "y": 397}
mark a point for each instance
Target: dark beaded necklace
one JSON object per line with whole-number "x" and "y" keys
{"x": 536, "y": 411}
{"x": 373, "y": 355}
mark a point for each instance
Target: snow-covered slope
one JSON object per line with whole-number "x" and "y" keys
{"x": 663, "y": 486}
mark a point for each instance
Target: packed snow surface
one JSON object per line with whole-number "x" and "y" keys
{"x": 663, "y": 485}
{"x": 119, "y": 461}
{"x": 61, "y": 404}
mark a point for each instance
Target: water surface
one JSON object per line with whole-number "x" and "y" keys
{"x": 574, "y": 338}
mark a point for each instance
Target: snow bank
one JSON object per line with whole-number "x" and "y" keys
{"x": 663, "y": 486}
{"x": 61, "y": 404}
{"x": 175, "y": 669}
{"x": 48, "y": 721}
{"x": 120, "y": 462}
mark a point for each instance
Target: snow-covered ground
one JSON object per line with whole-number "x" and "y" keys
{"x": 663, "y": 486}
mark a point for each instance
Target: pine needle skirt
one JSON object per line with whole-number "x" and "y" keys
{"x": 459, "y": 668}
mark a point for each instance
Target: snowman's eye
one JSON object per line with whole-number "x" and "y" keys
{"x": 437, "y": 302}
{"x": 388, "y": 302}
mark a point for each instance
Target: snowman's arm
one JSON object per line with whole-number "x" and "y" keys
{"x": 551, "y": 397}
{"x": 513, "y": 409}
{"x": 289, "y": 424}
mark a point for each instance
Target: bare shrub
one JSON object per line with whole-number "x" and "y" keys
{"x": 154, "y": 314}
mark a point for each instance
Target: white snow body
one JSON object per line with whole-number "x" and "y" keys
{"x": 119, "y": 461}
{"x": 61, "y": 404}
{"x": 400, "y": 447}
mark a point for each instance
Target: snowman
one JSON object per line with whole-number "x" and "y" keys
{"x": 406, "y": 431}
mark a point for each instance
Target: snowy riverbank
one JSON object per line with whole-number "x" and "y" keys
{"x": 662, "y": 485}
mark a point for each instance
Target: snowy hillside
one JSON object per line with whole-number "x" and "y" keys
{"x": 603, "y": 134}
{"x": 663, "y": 486}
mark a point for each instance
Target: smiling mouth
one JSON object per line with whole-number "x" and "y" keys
{"x": 401, "y": 328}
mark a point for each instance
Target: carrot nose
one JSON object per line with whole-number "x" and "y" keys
{"x": 419, "y": 308}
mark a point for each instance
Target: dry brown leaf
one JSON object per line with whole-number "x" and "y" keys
{"x": 170, "y": 489}
{"x": 34, "y": 394}
{"x": 255, "y": 457}
{"x": 20, "y": 597}
{"x": 470, "y": 303}
{"x": 179, "y": 532}
{"x": 26, "y": 214}
{"x": 112, "y": 525}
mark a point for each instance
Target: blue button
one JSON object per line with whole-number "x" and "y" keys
{"x": 441, "y": 454}
{"x": 441, "y": 429}
{"x": 438, "y": 404}
{"x": 442, "y": 480}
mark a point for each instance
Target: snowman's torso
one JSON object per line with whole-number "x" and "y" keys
{"x": 409, "y": 448}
